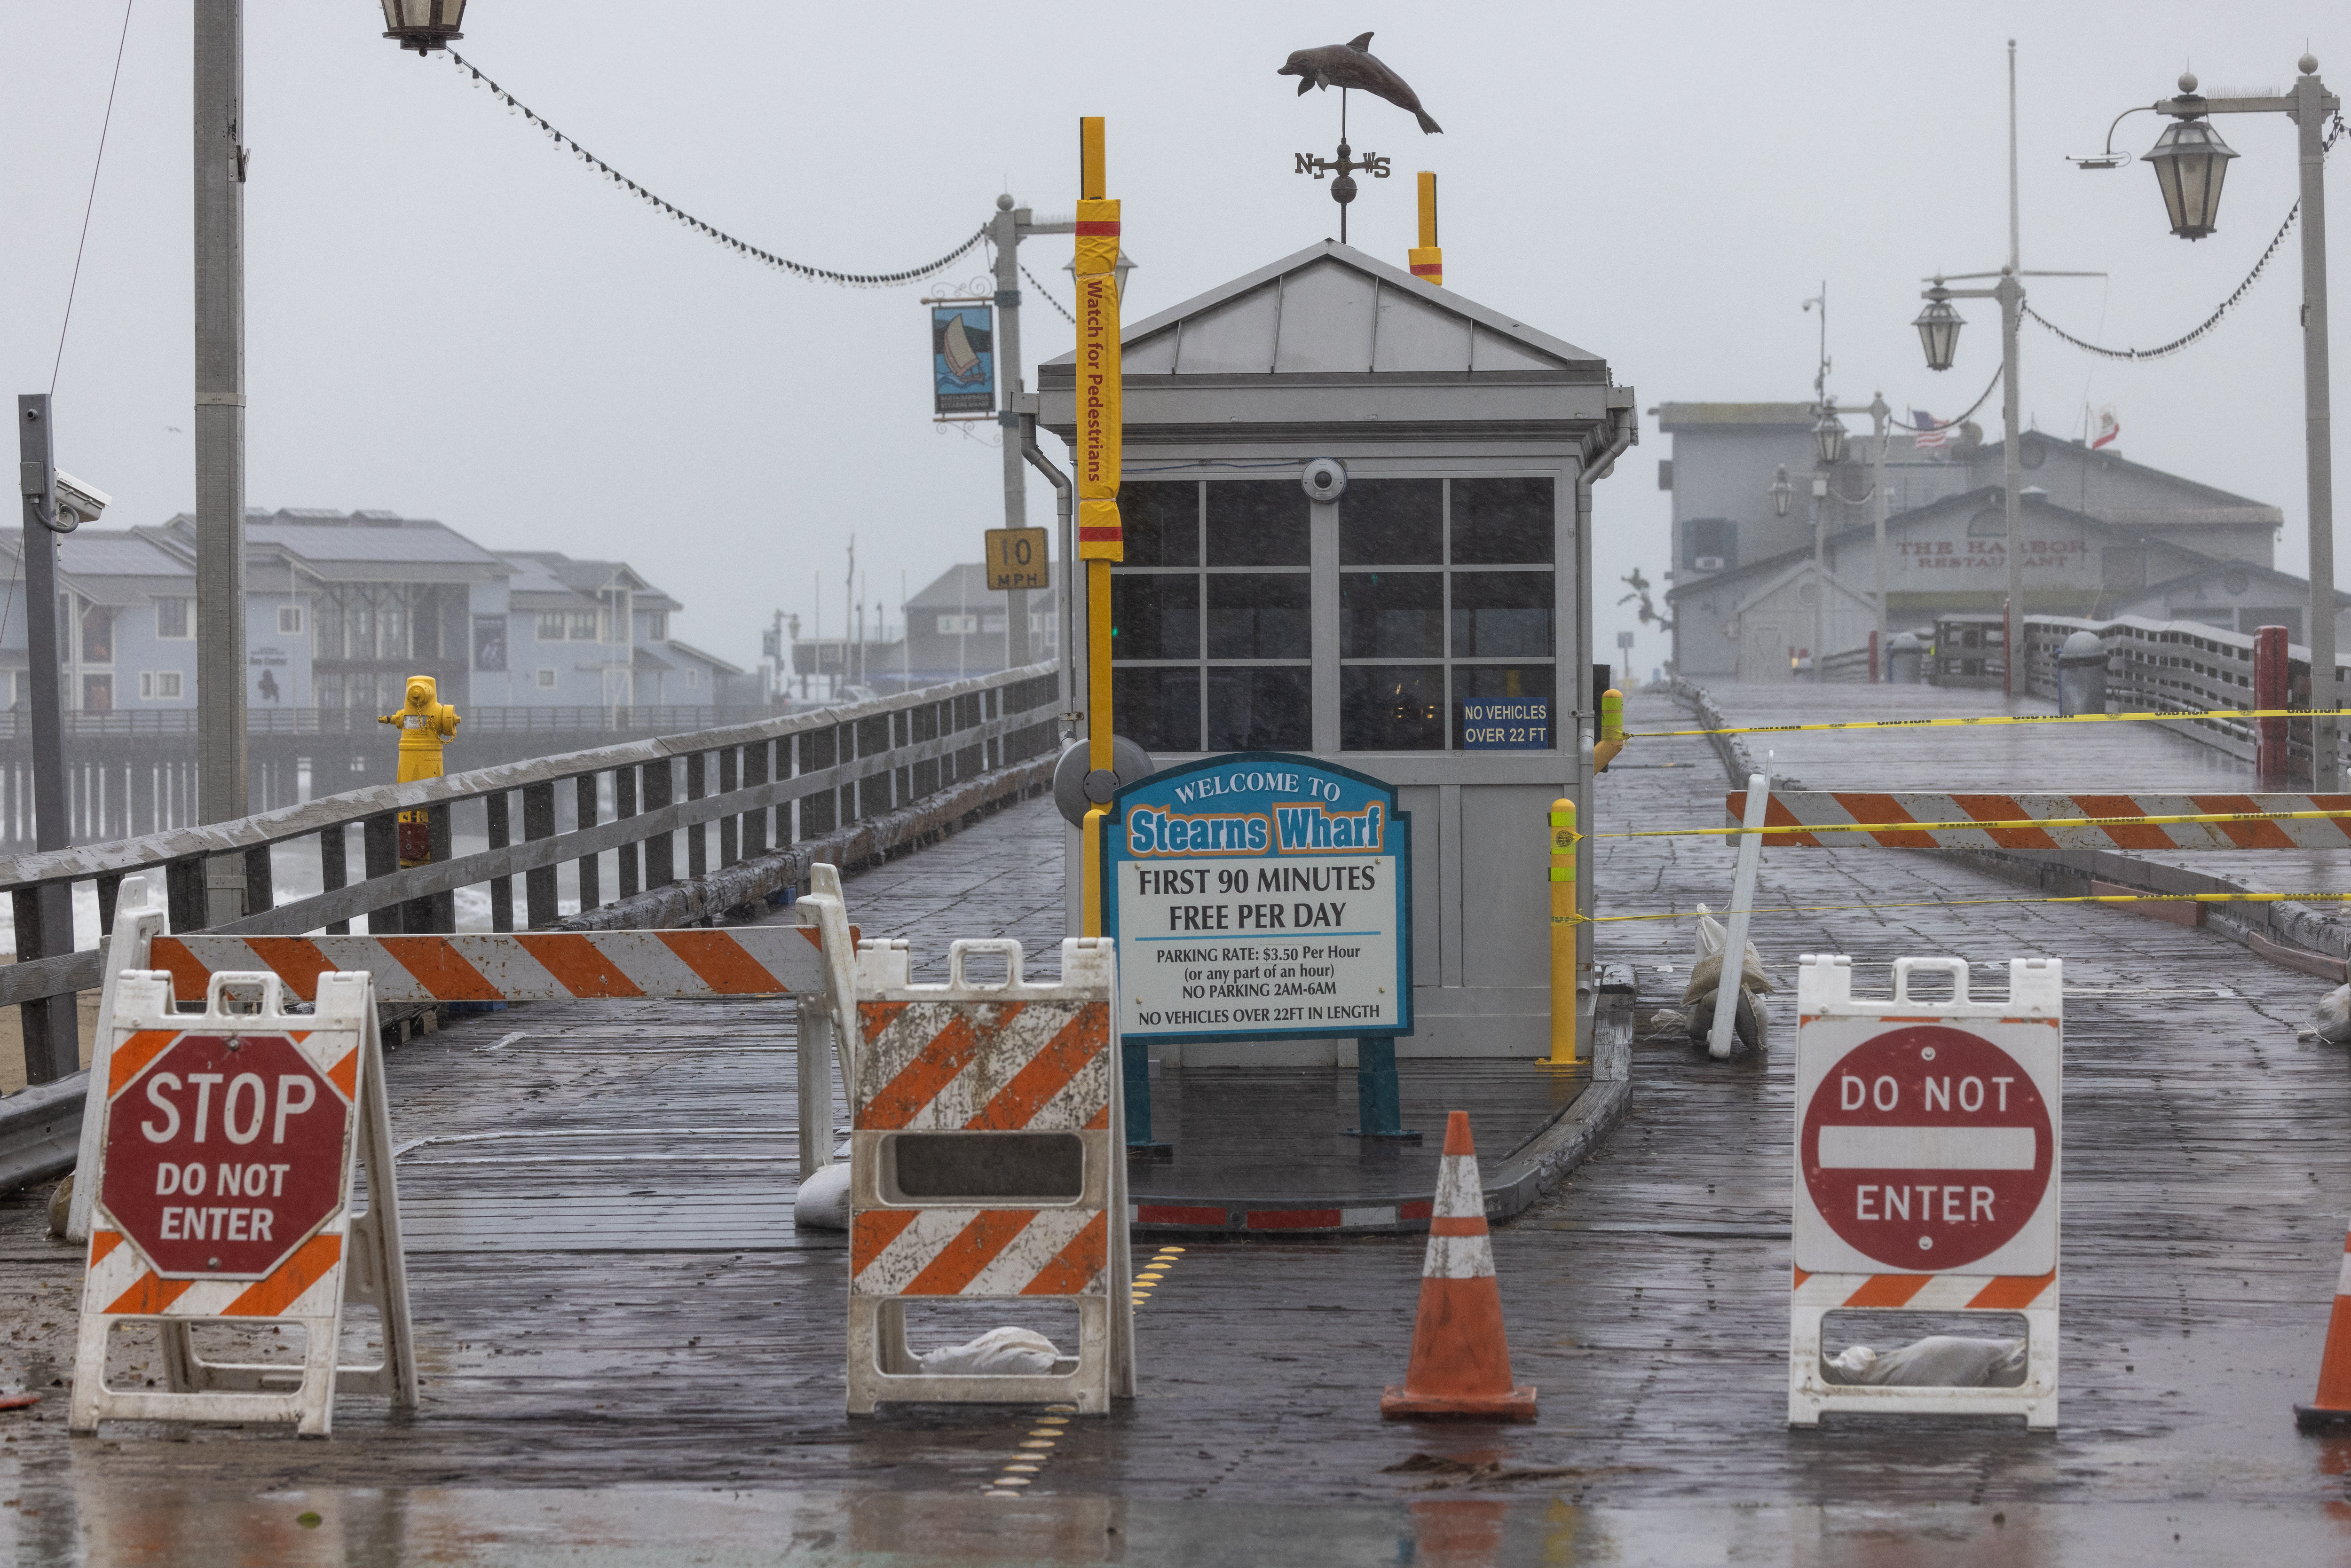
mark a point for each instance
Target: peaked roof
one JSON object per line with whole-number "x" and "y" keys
{"x": 1333, "y": 308}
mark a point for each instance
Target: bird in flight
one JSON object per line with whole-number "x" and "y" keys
{"x": 1353, "y": 64}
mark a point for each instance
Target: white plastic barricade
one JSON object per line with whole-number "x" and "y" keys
{"x": 988, "y": 1162}
{"x": 1928, "y": 1169}
{"x": 222, "y": 1188}
{"x": 809, "y": 955}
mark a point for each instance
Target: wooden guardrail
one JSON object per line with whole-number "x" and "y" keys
{"x": 848, "y": 776}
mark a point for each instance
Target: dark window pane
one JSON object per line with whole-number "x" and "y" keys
{"x": 1261, "y": 710}
{"x": 1391, "y": 615}
{"x": 1501, "y": 614}
{"x": 1158, "y": 710}
{"x": 1391, "y": 522}
{"x": 1259, "y": 617}
{"x": 1392, "y": 707}
{"x": 1162, "y": 522}
{"x": 1256, "y": 522}
{"x": 1501, "y": 522}
{"x": 1512, "y": 707}
{"x": 1153, "y": 616}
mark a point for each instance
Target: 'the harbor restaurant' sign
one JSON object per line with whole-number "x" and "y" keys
{"x": 1259, "y": 895}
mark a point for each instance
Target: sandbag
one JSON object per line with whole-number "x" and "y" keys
{"x": 1749, "y": 1023}
{"x": 822, "y": 1201}
{"x": 1015, "y": 1352}
{"x": 2333, "y": 1016}
{"x": 1707, "y": 972}
{"x": 1938, "y": 1361}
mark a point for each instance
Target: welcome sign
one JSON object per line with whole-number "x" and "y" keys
{"x": 1259, "y": 895}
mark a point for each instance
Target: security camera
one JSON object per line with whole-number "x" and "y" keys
{"x": 77, "y": 503}
{"x": 1325, "y": 479}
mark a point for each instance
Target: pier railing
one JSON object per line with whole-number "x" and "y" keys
{"x": 756, "y": 789}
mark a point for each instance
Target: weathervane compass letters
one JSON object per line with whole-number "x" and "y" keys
{"x": 1345, "y": 65}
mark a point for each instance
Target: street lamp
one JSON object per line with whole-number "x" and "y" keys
{"x": 1828, "y": 438}
{"x": 1938, "y": 328}
{"x": 423, "y": 25}
{"x": 1783, "y": 492}
{"x": 2190, "y": 161}
{"x": 1939, "y": 333}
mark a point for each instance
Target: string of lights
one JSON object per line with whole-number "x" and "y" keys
{"x": 2236, "y": 296}
{"x": 1041, "y": 288}
{"x": 742, "y": 247}
{"x": 1955, "y": 419}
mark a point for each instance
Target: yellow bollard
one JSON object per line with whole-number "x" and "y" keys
{"x": 1563, "y": 837}
{"x": 1102, "y": 539}
{"x": 425, "y": 723}
{"x": 1611, "y": 730}
{"x": 1427, "y": 261}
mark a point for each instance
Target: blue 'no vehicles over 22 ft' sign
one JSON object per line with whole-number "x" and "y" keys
{"x": 1259, "y": 895}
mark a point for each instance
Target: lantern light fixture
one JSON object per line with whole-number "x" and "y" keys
{"x": 2190, "y": 163}
{"x": 1938, "y": 328}
{"x": 423, "y": 25}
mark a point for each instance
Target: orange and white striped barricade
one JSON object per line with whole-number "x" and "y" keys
{"x": 1929, "y": 1170}
{"x": 988, "y": 1162}
{"x": 223, "y": 1190}
{"x": 812, "y": 960}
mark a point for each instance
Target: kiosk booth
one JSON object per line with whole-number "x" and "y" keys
{"x": 1357, "y": 512}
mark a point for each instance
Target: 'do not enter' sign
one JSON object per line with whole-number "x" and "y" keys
{"x": 1927, "y": 1148}
{"x": 223, "y": 1152}
{"x": 1928, "y": 1134}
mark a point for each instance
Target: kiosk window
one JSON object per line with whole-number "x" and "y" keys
{"x": 1256, "y": 522}
{"x": 1155, "y": 615}
{"x": 1426, "y": 573}
{"x": 1502, "y": 614}
{"x": 1392, "y": 707}
{"x": 1260, "y": 708}
{"x": 1161, "y": 523}
{"x": 1503, "y": 522}
{"x": 1158, "y": 707}
{"x": 1392, "y": 615}
{"x": 1259, "y": 616}
{"x": 1391, "y": 522}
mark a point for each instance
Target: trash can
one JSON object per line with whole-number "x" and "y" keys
{"x": 2081, "y": 674}
{"x": 1906, "y": 659}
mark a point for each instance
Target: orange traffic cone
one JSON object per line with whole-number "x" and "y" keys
{"x": 1460, "y": 1361}
{"x": 2330, "y": 1409}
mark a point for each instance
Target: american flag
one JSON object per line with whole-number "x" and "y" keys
{"x": 1929, "y": 433}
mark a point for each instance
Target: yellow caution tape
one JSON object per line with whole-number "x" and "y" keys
{"x": 2004, "y": 719}
{"x": 2248, "y": 897}
{"x": 1785, "y": 829}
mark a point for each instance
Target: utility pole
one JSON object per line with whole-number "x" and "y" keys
{"x": 1011, "y": 225}
{"x": 43, "y": 913}
{"x": 220, "y": 160}
{"x": 1006, "y": 236}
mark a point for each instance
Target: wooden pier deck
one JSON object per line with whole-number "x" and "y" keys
{"x": 635, "y": 1313}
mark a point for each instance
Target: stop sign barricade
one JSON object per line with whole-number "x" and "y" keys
{"x": 810, "y": 956}
{"x": 222, "y": 1193}
{"x": 1929, "y": 1166}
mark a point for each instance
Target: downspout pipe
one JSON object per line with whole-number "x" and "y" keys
{"x": 1063, "y": 492}
{"x": 1624, "y": 429}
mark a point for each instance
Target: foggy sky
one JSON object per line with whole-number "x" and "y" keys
{"x": 449, "y": 317}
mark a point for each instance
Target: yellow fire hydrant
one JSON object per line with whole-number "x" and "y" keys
{"x": 426, "y": 722}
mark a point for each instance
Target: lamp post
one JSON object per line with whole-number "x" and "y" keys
{"x": 2191, "y": 164}
{"x": 1939, "y": 331}
{"x": 1828, "y": 446}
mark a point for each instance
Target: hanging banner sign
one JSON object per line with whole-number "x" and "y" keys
{"x": 963, "y": 360}
{"x": 1259, "y": 895}
{"x": 1100, "y": 418}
